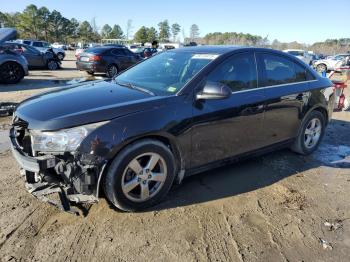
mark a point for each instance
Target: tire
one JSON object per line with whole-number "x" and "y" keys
{"x": 123, "y": 186}
{"x": 309, "y": 138}
{"x": 112, "y": 70}
{"x": 321, "y": 68}
{"x": 11, "y": 73}
{"x": 90, "y": 73}
{"x": 52, "y": 65}
{"x": 60, "y": 56}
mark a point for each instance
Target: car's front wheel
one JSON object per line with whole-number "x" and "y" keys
{"x": 60, "y": 56}
{"x": 11, "y": 73}
{"x": 310, "y": 134}
{"x": 52, "y": 65}
{"x": 140, "y": 176}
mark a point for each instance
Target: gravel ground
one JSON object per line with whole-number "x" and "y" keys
{"x": 278, "y": 207}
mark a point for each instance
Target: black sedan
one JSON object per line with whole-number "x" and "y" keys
{"x": 177, "y": 113}
{"x": 109, "y": 59}
{"x": 35, "y": 58}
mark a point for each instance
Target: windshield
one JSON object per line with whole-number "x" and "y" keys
{"x": 296, "y": 53}
{"x": 166, "y": 73}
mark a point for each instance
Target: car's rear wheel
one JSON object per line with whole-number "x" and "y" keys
{"x": 60, "y": 56}
{"x": 52, "y": 65}
{"x": 112, "y": 70}
{"x": 90, "y": 73}
{"x": 321, "y": 68}
{"x": 140, "y": 176}
{"x": 11, "y": 73}
{"x": 311, "y": 133}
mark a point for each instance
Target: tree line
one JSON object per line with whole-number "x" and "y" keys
{"x": 43, "y": 24}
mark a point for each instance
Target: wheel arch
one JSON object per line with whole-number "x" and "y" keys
{"x": 163, "y": 138}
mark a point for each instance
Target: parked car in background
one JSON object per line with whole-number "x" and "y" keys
{"x": 134, "y": 48}
{"x": 177, "y": 113}
{"x": 60, "y": 46}
{"x": 106, "y": 59}
{"x": 13, "y": 66}
{"x": 35, "y": 58}
{"x": 328, "y": 64}
{"x": 146, "y": 52}
{"x": 301, "y": 54}
{"x": 43, "y": 47}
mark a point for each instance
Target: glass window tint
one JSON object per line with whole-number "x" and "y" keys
{"x": 117, "y": 51}
{"x": 26, "y": 42}
{"x": 238, "y": 72}
{"x": 38, "y": 44}
{"x": 279, "y": 70}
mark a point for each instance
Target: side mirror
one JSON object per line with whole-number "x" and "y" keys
{"x": 214, "y": 90}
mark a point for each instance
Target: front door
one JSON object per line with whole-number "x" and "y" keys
{"x": 225, "y": 128}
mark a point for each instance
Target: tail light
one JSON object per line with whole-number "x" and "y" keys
{"x": 341, "y": 101}
{"x": 339, "y": 85}
{"x": 19, "y": 50}
{"x": 95, "y": 58}
{"x": 77, "y": 56}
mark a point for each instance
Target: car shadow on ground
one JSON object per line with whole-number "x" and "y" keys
{"x": 260, "y": 172}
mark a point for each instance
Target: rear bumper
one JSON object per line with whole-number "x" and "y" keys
{"x": 91, "y": 67}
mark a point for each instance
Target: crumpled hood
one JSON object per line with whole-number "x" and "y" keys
{"x": 7, "y": 34}
{"x": 82, "y": 104}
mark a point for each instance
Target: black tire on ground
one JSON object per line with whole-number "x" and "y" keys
{"x": 90, "y": 73}
{"x": 300, "y": 143}
{"x": 119, "y": 169}
{"x": 11, "y": 73}
{"x": 321, "y": 68}
{"x": 111, "y": 71}
{"x": 52, "y": 65}
{"x": 60, "y": 56}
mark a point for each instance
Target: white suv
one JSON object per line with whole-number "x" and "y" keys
{"x": 301, "y": 54}
{"x": 43, "y": 46}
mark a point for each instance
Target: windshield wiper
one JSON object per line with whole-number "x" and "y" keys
{"x": 132, "y": 86}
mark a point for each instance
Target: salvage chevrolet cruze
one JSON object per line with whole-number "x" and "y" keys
{"x": 178, "y": 113}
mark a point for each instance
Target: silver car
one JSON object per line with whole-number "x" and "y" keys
{"x": 13, "y": 66}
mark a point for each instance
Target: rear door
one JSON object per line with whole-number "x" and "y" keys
{"x": 34, "y": 57}
{"x": 130, "y": 56}
{"x": 286, "y": 83}
{"x": 120, "y": 58}
{"x": 229, "y": 127}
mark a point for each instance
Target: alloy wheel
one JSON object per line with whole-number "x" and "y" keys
{"x": 52, "y": 65}
{"x": 144, "y": 177}
{"x": 11, "y": 72}
{"x": 312, "y": 133}
{"x": 112, "y": 71}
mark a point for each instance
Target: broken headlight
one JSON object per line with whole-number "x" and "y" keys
{"x": 65, "y": 140}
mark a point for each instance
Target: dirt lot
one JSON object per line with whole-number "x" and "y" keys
{"x": 279, "y": 207}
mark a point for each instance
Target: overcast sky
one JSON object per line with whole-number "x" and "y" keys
{"x": 305, "y": 21}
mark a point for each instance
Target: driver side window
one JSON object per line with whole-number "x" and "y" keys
{"x": 237, "y": 72}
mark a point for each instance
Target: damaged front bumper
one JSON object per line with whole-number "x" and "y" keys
{"x": 55, "y": 179}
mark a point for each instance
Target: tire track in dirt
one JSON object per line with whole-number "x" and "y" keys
{"x": 220, "y": 244}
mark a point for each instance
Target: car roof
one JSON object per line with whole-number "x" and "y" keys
{"x": 210, "y": 49}
{"x": 224, "y": 49}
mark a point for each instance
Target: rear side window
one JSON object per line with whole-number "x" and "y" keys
{"x": 26, "y": 42}
{"x": 38, "y": 44}
{"x": 238, "y": 72}
{"x": 117, "y": 52}
{"x": 279, "y": 70}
